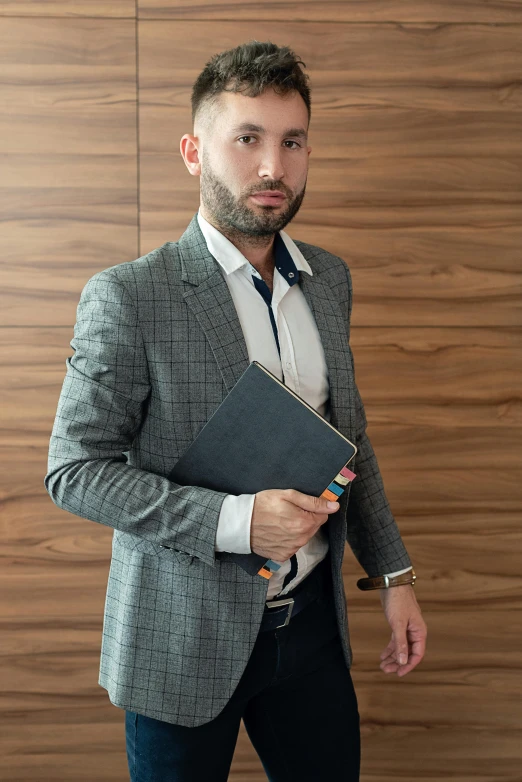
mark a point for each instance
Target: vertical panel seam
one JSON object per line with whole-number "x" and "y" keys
{"x": 138, "y": 216}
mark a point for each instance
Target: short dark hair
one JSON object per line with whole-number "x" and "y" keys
{"x": 249, "y": 68}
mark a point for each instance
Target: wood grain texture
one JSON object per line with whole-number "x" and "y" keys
{"x": 415, "y": 182}
{"x": 68, "y": 191}
{"x": 69, "y": 8}
{"x": 431, "y": 14}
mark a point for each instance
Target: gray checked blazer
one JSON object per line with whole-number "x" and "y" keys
{"x": 157, "y": 347}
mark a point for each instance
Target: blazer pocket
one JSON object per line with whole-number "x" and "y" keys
{"x": 181, "y": 556}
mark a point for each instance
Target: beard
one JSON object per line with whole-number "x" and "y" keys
{"x": 234, "y": 216}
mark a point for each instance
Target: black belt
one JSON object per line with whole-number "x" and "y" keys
{"x": 278, "y": 612}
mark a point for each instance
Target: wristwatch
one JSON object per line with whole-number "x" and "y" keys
{"x": 384, "y": 582}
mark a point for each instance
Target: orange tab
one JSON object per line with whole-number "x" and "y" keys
{"x": 265, "y": 573}
{"x": 329, "y": 495}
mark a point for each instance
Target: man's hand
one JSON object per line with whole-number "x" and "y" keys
{"x": 408, "y": 642}
{"x": 283, "y": 520}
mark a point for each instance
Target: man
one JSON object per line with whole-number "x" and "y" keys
{"x": 191, "y": 642}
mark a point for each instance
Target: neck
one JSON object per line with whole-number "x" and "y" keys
{"x": 258, "y": 250}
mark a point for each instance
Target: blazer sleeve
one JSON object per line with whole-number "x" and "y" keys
{"x": 372, "y": 531}
{"x": 100, "y": 409}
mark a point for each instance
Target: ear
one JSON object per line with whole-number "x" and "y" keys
{"x": 190, "y": 152}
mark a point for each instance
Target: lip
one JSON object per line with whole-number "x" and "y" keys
{"x": 272, "y": 197}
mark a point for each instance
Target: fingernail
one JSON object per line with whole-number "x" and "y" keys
{"x": 333, "y": 505}
{"x": 402, "y": 659}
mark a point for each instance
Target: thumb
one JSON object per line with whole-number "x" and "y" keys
{"x": 311, "y": 503}
{"x": 401, "y": 646}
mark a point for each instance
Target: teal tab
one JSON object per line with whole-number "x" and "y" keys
{"x": 336, "y": 489}
{"x": 272, "y": 565}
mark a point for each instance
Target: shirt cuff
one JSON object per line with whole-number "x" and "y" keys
{"x": 235, "y": 519}
{"x": 397, "y": 572}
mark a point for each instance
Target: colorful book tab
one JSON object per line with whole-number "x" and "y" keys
{"x": 335, "y": 489}
{"x": 329, "y": 495}
{"x": 348, "y": 473}
{"x": 269, "y": 568}
{"x": 341, "y": 479}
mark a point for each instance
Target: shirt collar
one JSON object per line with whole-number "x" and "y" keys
{"x": 286, "y": 252}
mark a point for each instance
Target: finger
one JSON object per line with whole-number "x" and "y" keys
{"x": 390, "y": 663}
{"x": 419, "y": 646}
{"x": 312, "y": 503}
{"x": 415, "y": 656}
{"x": 412, "y": 663}
{"x": 389, "y": 660}
{"x": 392, "y": 667}
{"x": 401, "y": 647}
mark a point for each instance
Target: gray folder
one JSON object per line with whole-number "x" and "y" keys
{"x": 263, "y": 436}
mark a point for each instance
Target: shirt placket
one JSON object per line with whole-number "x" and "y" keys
{"x": 288, "y": 271}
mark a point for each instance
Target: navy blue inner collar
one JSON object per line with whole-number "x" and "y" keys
{"x": 284, "y": 262}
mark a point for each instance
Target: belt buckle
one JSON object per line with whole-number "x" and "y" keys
{"x": 289, "y": 601}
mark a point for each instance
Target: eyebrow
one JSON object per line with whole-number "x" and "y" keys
{"x": 300, "y": 132}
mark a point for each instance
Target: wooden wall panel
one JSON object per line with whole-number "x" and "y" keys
{"x": 68, "y": 192}
{"x": 430, "y": 14}
{"x": 68, "y": 196}
{"x": 69, "y": 8}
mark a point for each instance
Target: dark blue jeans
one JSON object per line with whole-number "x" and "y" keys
{"x": 298, "y": 705}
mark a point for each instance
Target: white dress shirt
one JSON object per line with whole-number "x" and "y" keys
{"x": 301, "y": 367}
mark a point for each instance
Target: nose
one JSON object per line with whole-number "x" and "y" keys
{"x": 272, "y": 164}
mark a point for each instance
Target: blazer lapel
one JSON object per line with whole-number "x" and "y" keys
{"x": 208, "y": 296}
{"x": 332, "y": 330}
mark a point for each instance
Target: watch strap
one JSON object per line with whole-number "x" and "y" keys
{"x": 384, "y": 582}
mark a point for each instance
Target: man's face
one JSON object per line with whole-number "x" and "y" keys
{"x": 238, "y": 160}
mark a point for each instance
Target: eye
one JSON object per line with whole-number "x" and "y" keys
{"x": 288, "y": 141}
